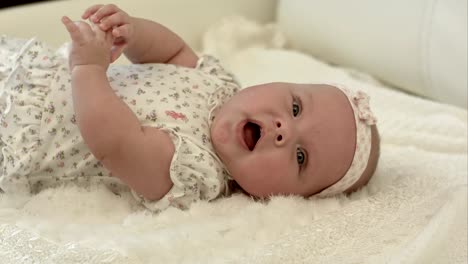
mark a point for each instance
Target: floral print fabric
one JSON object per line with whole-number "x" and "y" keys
{"x": 41, "y": 145}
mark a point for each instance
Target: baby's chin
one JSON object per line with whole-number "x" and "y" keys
{"x": 248, "y": 189}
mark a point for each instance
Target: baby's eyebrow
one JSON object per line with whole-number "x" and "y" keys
{"x": 310, "y": 98}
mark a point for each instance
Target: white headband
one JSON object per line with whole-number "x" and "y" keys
{"x": 364, "y": 119}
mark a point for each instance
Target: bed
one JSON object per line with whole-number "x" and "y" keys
{"x": 414, "y": 210}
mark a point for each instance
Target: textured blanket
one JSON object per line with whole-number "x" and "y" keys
{"x": 413, "y": 211}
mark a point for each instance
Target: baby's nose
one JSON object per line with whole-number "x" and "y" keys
{"x": 281, "y": 133}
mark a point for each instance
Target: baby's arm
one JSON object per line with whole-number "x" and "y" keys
{"x": 145, "y": 41}
{"x": 139, "y": 156}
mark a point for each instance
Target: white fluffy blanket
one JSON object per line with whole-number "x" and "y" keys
{"x": 413, "y": 211}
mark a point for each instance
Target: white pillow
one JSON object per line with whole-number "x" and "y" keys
{"x": 419, "y": 46}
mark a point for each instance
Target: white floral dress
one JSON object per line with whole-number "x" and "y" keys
{"x": 41, "y": 145}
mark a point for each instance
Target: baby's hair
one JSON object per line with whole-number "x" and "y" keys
{"x": 372, "y": 163}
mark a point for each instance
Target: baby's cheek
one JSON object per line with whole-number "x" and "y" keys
{"x": 271, "y": 166}
{"x": 267, "y": 180}
{"x": 220, "y": 135}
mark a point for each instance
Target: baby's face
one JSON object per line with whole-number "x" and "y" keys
{"x": 284, "y": 138}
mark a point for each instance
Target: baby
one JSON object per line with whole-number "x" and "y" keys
{"x": 173, "y": 127}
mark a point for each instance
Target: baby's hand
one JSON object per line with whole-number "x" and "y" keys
{"x": 110, "y": 17}
{"x": 90, "y": 45}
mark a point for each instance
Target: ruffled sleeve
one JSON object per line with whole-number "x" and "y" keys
{"x": 223, "y": 92}
{"x": 212, "y": 66}
{"x": 195, "y": 173}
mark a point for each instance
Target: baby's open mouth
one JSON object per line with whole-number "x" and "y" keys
{"x": 252, "y": 133}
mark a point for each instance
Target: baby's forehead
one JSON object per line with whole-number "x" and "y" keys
{"x": 317, "y": 87}
{"x": 328, "y": 91}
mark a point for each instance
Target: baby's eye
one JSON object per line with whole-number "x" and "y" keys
{"x": 301, "y": 156}
{"x": 296, "y": 109}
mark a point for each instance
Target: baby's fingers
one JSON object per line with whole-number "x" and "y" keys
{"x": 73, "y": 30}
{"x": 98, "y": 33}
{"x": 122, "y": 31}
{"x": 104, "y": 11}
{"x": 91, "y": 10}
{"x": 114, "y": 20}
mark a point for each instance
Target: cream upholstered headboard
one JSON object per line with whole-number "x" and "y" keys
{"x": 188, "y": 18}
{"x": 419, "y": 45}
